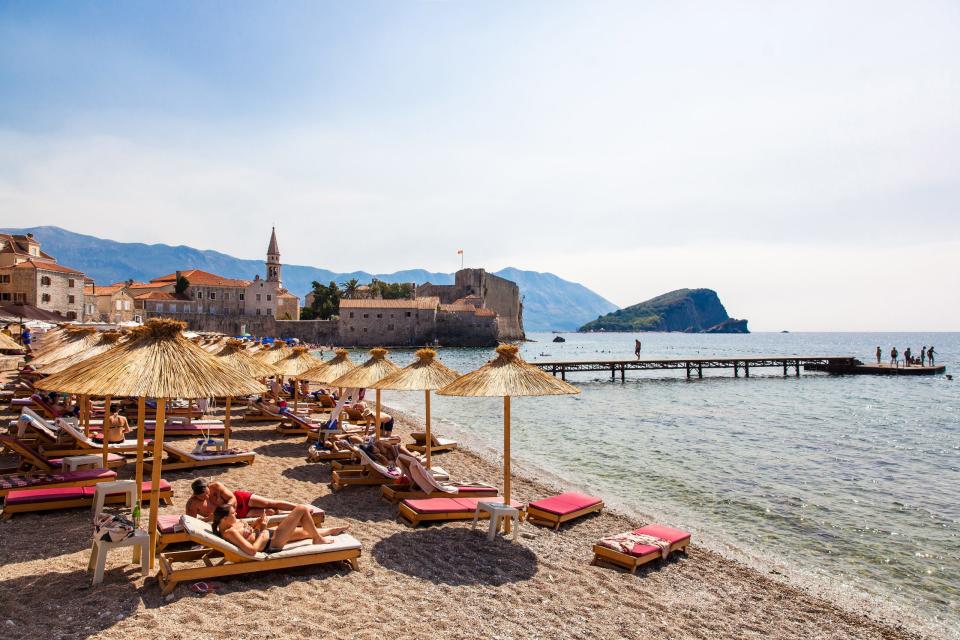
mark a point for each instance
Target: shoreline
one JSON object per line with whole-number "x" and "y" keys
{"x": 848, "y": 598}
{"x": 442, "y": 581}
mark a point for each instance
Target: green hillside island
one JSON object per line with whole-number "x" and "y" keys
{"x": 687, "y": 310}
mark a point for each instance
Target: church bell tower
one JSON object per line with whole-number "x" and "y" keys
{"x": 273, "y": 259}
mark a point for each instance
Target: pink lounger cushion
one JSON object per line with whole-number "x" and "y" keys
{"x": 566, "y": 503}
{"x": 36, "y": 496}
{"x": 444, "y": 505}
{"x": 83, "y": 475}
{"x": 671, "y": 535}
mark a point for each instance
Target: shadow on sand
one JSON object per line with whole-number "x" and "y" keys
{"x": 456, "y": 556}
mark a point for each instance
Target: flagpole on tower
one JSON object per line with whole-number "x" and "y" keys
{"x": 460, "y": 251}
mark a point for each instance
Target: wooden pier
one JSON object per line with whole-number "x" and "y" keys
{"x": 740, "y": 364}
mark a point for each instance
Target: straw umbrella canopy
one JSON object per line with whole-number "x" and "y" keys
{"x": 157, "y": 362}
{"x": 507, "y": 375}
{"x": 9, "y": 344}
{"x": 297, "y": 362}
{"x": 328, "y": 371}
{"x": 234, "y": 354}
{"x": 278, "y": 351}
{"x": 104, "y": 342}
{"x": 77, "y": 340}
{"x": 367, "y": 374}
{"x": 424, "y": 374}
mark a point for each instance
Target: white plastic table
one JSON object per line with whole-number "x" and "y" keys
{"x": 103, "y": 489}
{"x": 498, "y": 511}
{"x": 71, "y": 463}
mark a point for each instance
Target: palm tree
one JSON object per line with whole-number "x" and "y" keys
{"x": 350, "y": 288}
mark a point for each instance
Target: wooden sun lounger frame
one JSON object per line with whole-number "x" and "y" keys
{"x": 164, "y": 540}
{"x": 419, "y": 444}
{"x": 629, "y": 562}
{"x": 56, "y": 485}
{"x": 219, "y": 564}
{"x": 166, "y": 497}
{"x": 177, "y": 460}
{"x": 411, "y": 518}
{"x": 394, "y": 495}
{"x": 33, "y": 460}
{"x": 547, "y": 519}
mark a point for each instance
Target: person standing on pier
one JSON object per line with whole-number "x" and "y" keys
{"x": 923, "y": 355}
{"x": 893, "y": 356}
{"x": 879, "y": 354}
{"x": 930, "y": 355}
{"x": 636, "y": 348}
{"x": 906, "y": 357}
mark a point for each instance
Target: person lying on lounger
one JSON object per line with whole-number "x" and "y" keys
{"x": 383, "y": 452}
{"x": 207, "y": 496}
{"x": 298, "y": 525}
{"x": 386, "y": 421}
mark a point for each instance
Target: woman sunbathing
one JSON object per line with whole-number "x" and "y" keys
{"x": 298, "y": 525}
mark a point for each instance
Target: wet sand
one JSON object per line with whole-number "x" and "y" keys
{"x": 439, "y": 581}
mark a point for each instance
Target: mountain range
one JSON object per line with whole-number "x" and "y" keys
{"x": 549, "y": 302}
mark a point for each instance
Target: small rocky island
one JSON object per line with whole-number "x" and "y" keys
{"x": 686, "y": 310}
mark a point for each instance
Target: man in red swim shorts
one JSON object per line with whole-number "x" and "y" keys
{"x": 207, "y": 496}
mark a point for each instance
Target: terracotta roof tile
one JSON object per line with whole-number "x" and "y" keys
{"x": 32, "y": 263}
{"x": 202, "y": 278}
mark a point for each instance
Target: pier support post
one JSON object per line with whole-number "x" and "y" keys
{"x": 736, "y": 369}
{"x": 623, "y": 373}
{"x": 613, "y": 372}
{"x": 688, "y": 370}
{"x": 700, "y": 370}
{"x": 796, "y": 367}
{"x": 563, "y": 374}
{"x": 746, "y": 369}
{"x": 785, "y": 372}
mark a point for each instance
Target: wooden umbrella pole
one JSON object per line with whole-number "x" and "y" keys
{"x": 155, "y": 476}
{"x": 429, "y": 436}
{"x": 226, "y": 424}
{"x": 103, "y": 431}
{"x": 141, "y": 427}
{"x": 506, "y": 458}
{"x": 296, "y": 393}
{"x": 378, "y": 414}
{"x": 189, "y": 410}
{"x": 85, "y": 414}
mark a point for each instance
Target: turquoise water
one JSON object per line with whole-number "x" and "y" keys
{"x": 851, "y": 481}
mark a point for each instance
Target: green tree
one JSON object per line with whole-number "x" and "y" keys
{"x": 391, "y": 291}
{"x": 326, "y": 302}
{"x": 181, "y": 285}
{"x": 350, "y": 288}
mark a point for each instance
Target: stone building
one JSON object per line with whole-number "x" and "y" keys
{"x": 108, "y": 303}
{"x": 419, "y": 321}
{"x": 29, "y": 275}
{"x": 484, "y": 290}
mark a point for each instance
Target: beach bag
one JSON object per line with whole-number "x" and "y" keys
{"x": 112, "y": 527}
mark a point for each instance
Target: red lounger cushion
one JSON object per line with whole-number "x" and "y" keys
{"x": 34, "y": 496}
{"x": 473, "y": 489}
{"x": 566, "y": 503}
{"x": 470, "y": 504}
{"x": 669, "y": 534}
{"x": 22, "y": 482}
{"x": 434, "y": 505}
{"x": 168, "y": 523}
{"x": 145, "y": 488}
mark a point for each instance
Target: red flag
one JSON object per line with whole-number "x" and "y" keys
{"x": 459, "y": 252}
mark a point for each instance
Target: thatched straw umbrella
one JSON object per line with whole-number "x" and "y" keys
{"x": 424, "y": 374}
{"x": 366, "y": 375}
{"x": 232, "y": 353}
{"x": 507, "y": 375}
{"x": 328, "y": 371}
{"x": 270, "y": 355}
{"x": 77, "y": 340}
{"x": 157, "y": 362}
{"x": 9, "y": 344}
{"x": 297, "y": 362}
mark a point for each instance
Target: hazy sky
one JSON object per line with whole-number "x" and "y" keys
{"x": 803, "y": 159}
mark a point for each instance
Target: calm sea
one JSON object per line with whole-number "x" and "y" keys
{"x": 847, "y": 482}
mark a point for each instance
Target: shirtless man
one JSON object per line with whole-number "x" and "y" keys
{"x": 207, "y": 496}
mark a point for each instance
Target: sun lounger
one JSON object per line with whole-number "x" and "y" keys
{"x": 264, "y": 412}
{"x": 624, "y": 551}
{"x": 32, "y": 426}
{"x": 39, "y": 404}
{"x": 33, "y": 460}
{"x": 81, "y": 478}
{"x": 73, "y": 442}
{"x": 437, "y": 445}
{"x": 170, "y": 530}
{"x": 296, "y": 424}
{"x": 556, "y": 510}
{"x": 422, "y": 485}
{"x": 33, "y": 500}
{"x": 178, "y": 458}
{"x": 344, "y": 548}
{"x": 370, "y": 472}
{"x": 413, "y": 512}
{"x": 176, "y": 427}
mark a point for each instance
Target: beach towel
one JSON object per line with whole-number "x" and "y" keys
{"x": 627, "y": 542}
{"x": 423, "y": 478}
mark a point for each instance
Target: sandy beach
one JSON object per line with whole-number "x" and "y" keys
{"x": 434, "y": 581}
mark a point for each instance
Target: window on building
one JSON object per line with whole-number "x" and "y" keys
{"x": 44, "y": 281}
{"x": 126, "y": 305}
{"x": 258, "y": 297}
{"x": 213, "y": 295}
{"x": 258, "y": 308}
{"x": 159, "y": 307}
{"x": 364, "y": 329}
{"x": 408, "y": 314}
{"x": 173, "y": 307}
{"x": 199, "y": 295}
{"x": 379, "y": 315}
{"x": 391, "y": 315}
{"x": 71, "y": 300}
{"x": 226, "y": 295}
{"x": 351, "y": 314}
{"x": 366, "y": 315}
{"x": 45, "y": 297}
{"x": 4, "y": 296}
{"x": 242, "y": 297}
{"x": 269, "y": 311}
{"x": 71, "y": 282}
{"x": 19, "y": 297}
{"x": 71, "y": 315}
{"x": 5, "y": 278}
{"x": 116, "y": 305}
{"x": 269, "y": 297}
{"x": 389, "y": 327}
{"x": 353, "y": 328}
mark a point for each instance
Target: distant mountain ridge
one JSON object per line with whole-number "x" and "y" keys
{"x": 550, "y": 302}
{"x": 687, "y": 310}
